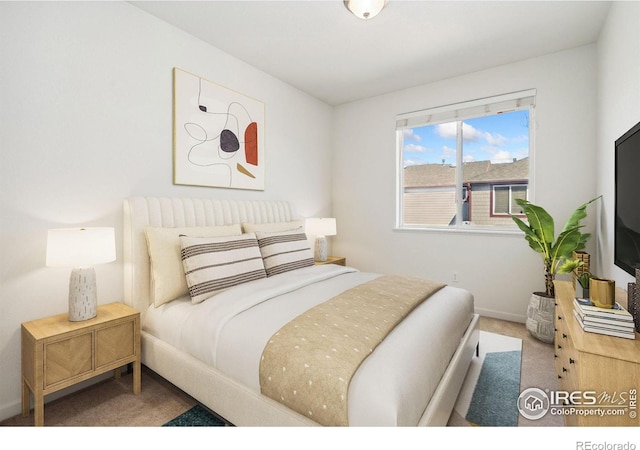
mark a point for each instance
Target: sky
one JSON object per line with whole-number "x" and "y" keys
{"x": 499, "y": 138}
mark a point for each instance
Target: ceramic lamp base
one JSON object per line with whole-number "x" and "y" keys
{"x": 83, "y": 299}
{"x": 321, "y": 249}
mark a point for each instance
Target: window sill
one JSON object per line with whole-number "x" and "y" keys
{"x": 464, "y": 229}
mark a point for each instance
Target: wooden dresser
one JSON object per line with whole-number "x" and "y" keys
{"x": 595, "y": 365}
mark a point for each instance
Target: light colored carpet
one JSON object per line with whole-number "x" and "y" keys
{"x": 111, "y": 403}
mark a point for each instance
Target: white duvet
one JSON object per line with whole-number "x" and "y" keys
{"x": 393, "y": 385}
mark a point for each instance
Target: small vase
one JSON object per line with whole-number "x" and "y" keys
{"x": 603, "y": 292}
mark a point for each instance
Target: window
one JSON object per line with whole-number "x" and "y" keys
{"x": 464, "y": 165}
{"x": 504, "y": 199}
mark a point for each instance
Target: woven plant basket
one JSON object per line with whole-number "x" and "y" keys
{"x": 540, "y": 317}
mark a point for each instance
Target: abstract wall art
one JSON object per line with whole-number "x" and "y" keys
{"x": 218, "y": 135}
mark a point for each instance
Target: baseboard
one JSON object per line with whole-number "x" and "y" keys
{"x": 501, "y": 315}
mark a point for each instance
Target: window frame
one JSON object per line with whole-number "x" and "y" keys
{"x": 458, "y": 112}
{"x": 510, "y": 202}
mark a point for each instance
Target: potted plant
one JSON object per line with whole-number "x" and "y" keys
{"x": 583, "y": 281}
{"x": 557, "y": 258}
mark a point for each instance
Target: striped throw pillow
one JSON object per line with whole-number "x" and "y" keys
{"x": 217, "y": 263}
{"x": 284, "y": 251}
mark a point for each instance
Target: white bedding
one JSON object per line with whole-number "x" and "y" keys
{"x": 391, "y": 388}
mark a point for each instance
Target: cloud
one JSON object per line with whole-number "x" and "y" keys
{"x": 501, "y": 156}
{"x": 469, "y": 134}
{"x": 446, "y": 130}
{"x": 409, "y": 135}
{"x": 495, "y": 139}
{"x": 415, "y": 148}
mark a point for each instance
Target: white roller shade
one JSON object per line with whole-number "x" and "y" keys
{"x": 475, "y": 108}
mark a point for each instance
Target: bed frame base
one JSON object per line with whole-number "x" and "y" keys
{"x": 241, "y": 406}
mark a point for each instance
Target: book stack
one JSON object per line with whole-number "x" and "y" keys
{"x": 616, "y": 321}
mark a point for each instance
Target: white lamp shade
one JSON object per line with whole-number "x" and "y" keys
{"x": 320, "y": 226}
{"x": 365, "y": 9}
{"x": 80, "y": 247}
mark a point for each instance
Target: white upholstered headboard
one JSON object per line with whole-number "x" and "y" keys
{"x": 140, "y": 212}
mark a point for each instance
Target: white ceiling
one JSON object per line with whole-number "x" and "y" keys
{"x": 322, "y": 49}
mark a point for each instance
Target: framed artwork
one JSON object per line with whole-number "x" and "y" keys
{"x": 218, "y": 135}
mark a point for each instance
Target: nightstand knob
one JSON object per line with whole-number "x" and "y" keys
{"x": 559, "y": 377}
{"x": 572, "y": 361}
{"x": 564, "y": 369}
{"x": 559, "y": 317}
{"x": 564, "y": 336}
{"x": 560, "y": 346}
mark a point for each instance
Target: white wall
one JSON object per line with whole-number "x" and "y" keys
{"x": 86, "y": 120}
{"x": 618, "y": 111}
{"x": 500, "y": 270}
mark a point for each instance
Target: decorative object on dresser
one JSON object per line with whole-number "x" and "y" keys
{"x": 602, "y": 292}
{"x": 57, "y": 353}
{"x": 614, "y": 321}
{"x": 320, "y": 228}
{"x": 557, "y": 256}
{"x": 582, "y": 269}
{"x": 81, "y": 249}
{"x": 605, "y": 367}
{"x": 582, "y": 273}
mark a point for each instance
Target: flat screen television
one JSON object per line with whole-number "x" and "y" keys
{"x": 627, "y": 201}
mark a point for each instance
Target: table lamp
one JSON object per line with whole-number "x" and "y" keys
{"x": 81, "y": 249}
{"x": 320, "y": 228}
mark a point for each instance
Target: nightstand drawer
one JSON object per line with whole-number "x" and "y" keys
{"x": 67, "y": 358}
{"x": 115, "y": 343}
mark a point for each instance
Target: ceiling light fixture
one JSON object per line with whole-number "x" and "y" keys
{"x": 365, "y": 9}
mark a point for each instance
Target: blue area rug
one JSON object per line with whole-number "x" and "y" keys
{"x": 495, "y": 397}
{"x": 195, "y": 417}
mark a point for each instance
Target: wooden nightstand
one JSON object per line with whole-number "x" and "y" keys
{"x": 57, "y": 353}
{"x": 339, "y": 260}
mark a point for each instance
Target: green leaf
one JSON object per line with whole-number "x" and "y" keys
{"x": 564, "y": 246}
{"x": 570, "y": 265}
{"x": 579, "y": 214}
{"x": 530, "y": 235}
{"x": 539, "y": 220}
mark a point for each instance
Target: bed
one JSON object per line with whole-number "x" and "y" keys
{"x": 213, "y": 346}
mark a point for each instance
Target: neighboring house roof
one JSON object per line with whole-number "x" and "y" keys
{"x": 433, "y": 175}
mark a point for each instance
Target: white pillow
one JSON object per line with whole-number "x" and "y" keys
{"x": 271, "y": 227}
{"x": 217, "y": 263}
{"x": 167, "y": 273}
{"x": 284, "y": 251}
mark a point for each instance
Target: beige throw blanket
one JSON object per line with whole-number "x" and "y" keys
{"x": 308, "y": 364}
